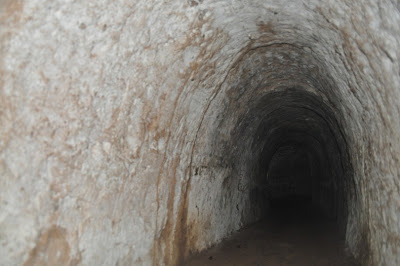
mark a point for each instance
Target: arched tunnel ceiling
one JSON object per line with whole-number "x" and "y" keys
{"x": 148, "y": 123}
{"x": 274, "y": 95}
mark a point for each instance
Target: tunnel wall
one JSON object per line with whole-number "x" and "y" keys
{"x": 130, "y": 131}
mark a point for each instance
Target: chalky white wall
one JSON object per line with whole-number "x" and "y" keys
{"x": 109, "y": 112}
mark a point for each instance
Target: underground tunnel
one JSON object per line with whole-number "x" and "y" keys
{"x": 285, "y": 140}
{"x": 148, "y": 132}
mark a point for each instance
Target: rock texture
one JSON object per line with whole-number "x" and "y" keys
{"x": 140, "y": 132}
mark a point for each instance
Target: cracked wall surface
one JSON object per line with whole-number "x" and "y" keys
{"x": 139, "y": 132}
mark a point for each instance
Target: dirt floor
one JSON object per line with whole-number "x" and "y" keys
{"x": 294, "y": 234}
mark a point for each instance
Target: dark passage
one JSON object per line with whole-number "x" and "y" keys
{"x": 295, "y": 233}
{"x": 290, "y": 173}
{"x": 299, "y": 185}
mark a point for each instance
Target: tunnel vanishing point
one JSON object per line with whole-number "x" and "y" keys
{"x": 142, "y": 132}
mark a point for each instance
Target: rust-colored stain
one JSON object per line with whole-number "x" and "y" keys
{"x": 167, "y": 231}
{"x": 51, "y": 248}
{"x": 172, "y": 242}
{"x": 10, "y": 10}
{"x": 265, "y": 27}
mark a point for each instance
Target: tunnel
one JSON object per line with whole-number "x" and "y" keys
{"x": 276, "y": 132}
{"x": 303, "y": 152}
{"x": 146, "y": 132}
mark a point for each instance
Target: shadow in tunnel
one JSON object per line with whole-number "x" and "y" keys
{"x": 295, "y": 232}
{"x": 297, "y": 188}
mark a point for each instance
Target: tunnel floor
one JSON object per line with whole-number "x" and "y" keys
{"x": 295, "y": 233}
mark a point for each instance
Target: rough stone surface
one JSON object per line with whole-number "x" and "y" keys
{"x": 136, "y": 132}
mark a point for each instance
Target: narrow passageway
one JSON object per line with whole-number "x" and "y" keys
{"x": 297, "y": 182}
{"x": 199, "y": 132}
{"x": 294, "y": 233}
